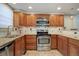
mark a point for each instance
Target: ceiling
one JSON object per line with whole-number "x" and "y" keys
{"x": 43, "y": 8}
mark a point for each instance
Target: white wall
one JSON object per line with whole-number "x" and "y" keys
{"x": 6, "y": 16}
{"x": 69, "y": 23}
{"x": 77, "y": 21}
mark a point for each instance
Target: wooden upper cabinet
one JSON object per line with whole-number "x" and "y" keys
{"x": 19, "y": 19}
{"x": 24, "y": 20}
{"x": 52, "y": 20}
{"x": 61, "y": 20}
{"x": 31, "y": 20}
{"x": 16, "y": 18}
{"x": 56, "y": 20}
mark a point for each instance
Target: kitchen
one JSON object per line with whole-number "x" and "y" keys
{"x": 39, "y": 29}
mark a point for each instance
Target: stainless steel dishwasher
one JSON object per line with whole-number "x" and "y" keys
{"x": 7, "y": 49}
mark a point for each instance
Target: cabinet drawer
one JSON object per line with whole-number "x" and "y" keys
{"x": 31, "y": 44}
{"x": 30, "y": 47}
{"x": 30, "y": 37}
{"x": 30, "y": 40}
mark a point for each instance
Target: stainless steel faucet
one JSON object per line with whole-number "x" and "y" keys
{"x": 10, "y": 28}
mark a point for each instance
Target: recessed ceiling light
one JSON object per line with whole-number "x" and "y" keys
{"x": 58, "y": 8}
{"x": 30, "y": 7}
{"x": 78, "y": 9}
{"x": 14, "y": 2}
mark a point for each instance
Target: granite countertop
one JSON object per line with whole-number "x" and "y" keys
{"x": 69, "y": 34}
{"x": 4, "y": 40}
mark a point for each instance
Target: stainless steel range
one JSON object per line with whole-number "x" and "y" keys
{"x": 43, "y": 38}
{"x": 43, "y": 41}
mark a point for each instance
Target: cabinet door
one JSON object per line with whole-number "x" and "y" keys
{"x": 31, "y": 20}
{"x": 60, "y": 44}
{"x": 25, "y": 20}
{"x": 28, "y": 20}
{"x": 52, "y": 20}
{"x": 65, "y": 49}
{"x": 21, "y": 20}
{"x": 16, "y": 18}
{"x": 73, "y": 50}
{"x": 61, "y": 20}
{"x": 56, "y": 20}
{"x": 18, "y": 47}
{"x": 65, "y": 45}
{"x": 23, "y": 45}
{"x": 73, "y": 47}
{"x": 53, "y": 41}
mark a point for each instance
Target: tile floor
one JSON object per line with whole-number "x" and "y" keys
{"x": 43, "y": 53}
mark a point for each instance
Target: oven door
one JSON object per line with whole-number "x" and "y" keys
{"x": 43, "y": 40}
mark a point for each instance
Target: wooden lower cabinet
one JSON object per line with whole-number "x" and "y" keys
{"x": 53, "y": 41}
{"x": 65, "y": 49}
{"x": 73, "y": 47}
{"x": 68, "y": 46}
{"x": 60, "y": 44}
{"x": 63, "y": 45}
{"x": 73, "y": 50}
{"x": 31, "y": 46}
{"x": 20, "y": 46}
{"x": 31, "y": 42}
{"x": 23, "y": 44}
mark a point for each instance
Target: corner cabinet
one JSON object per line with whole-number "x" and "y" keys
{"x": 56, "y": 20}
